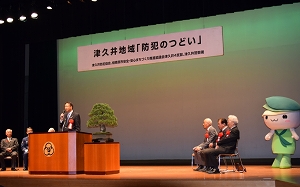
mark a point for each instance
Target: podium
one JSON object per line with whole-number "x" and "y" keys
{"x": 57, "y": 152}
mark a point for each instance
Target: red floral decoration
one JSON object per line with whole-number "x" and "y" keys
{"x": 206, "y": 135}
{"x": 71, "y": 121}
{"x": 220, "y": 134}
{"x": 227, "y": 133}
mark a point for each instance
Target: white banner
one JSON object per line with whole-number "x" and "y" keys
{"x": 162, "y": 48}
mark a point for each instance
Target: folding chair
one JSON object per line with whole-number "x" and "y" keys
{"x": 192, "y": 162}
{"x": 232, "y": 157}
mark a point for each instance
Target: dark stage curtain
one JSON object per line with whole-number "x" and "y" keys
{"x": 12, "y": 87}
{"x": 27, "y": 98}
{"x": 42, "y": 89}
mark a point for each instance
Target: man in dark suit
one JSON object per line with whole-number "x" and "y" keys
{"x": 70, "y": 120}
{"x": 209, "y": 137}
{"x": 225, "y": 144}
{"x": 9, "y": 147}
{"x": 25, "y": 148}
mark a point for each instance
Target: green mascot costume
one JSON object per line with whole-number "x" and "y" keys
{"x": 282, "y": 116}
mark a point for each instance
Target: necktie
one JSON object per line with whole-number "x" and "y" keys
{"x": 68, "y": 116}
{"x": 66, "y": 122}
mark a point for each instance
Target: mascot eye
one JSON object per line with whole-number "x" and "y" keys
{"x": 284, "y": 116}
{"x": 266, "y": 117}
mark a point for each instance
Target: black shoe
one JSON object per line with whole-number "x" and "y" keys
{"x": 14, "y": 169}
{"x": 208, "y": 169}
{"x": 204, "y": 169}
{"x": 3, "y": 169}
{"x": 198, "y": 168}
{"x": 25, "y": 169}
{"x": 213, "y": 170}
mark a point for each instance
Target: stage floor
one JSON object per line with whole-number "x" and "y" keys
{"x": 157, "y": 175}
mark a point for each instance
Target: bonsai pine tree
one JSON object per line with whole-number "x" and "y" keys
{"x": 102, "y": 115}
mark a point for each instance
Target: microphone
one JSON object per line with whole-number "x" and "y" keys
{"x": 62, "y": 120}
{"x": 62, "y": 114}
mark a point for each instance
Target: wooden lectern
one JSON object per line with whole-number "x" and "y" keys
{"x": 57, "y": 152}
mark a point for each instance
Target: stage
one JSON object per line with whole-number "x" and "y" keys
{"x": 150, "y": 176}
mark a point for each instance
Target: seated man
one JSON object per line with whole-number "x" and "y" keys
{"x": 9, "y": 147}
{"x": 225, "y": 144}
{"x": 209, "y": 137}
{"x": 25, "y": 149}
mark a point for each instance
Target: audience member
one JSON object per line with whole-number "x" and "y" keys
{"x": 25, "y": 148}
{"x": 209, "y": 137}
{"x": 9, "y": 147}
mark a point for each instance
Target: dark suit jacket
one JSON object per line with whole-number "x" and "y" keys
{"x": 13, "y": 144}
{"x": 227, "y": 143}
{"x": 76, "y": 125}
{"x": 24, "y": 144}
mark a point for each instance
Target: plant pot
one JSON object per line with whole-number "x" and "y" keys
{"x": 102, "y": 137}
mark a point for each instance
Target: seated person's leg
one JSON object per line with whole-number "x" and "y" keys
{"x": 2, "y": 161}
{"x": 25, "y": 159}
{"x": 212, "y": 157}
{"x": 198, "y": 161}
{"x": 204, "y": 157}
{"x": 13, "y": 160}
